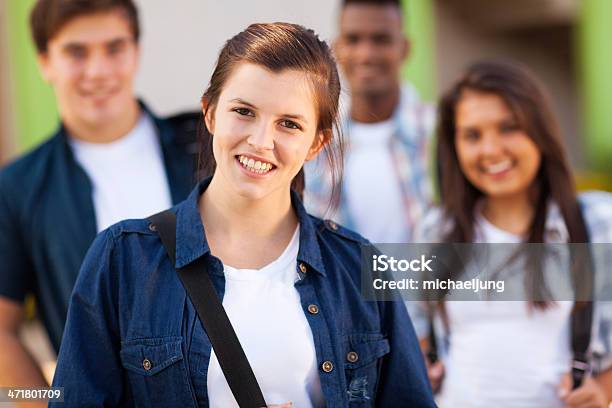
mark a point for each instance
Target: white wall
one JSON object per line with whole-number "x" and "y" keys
{"x": 181, "y": 41}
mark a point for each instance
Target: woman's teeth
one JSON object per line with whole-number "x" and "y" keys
{"x": 255, "y": 166}
{"x": 498, "y": 167}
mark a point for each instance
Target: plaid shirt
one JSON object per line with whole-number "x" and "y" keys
{"x": 409, "y": 150}
{"x": 597, "y": 212}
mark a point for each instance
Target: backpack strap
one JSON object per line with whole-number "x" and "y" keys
{"x": 582, "y": 312}
{"x": 214, "y": 319}
{"x": 582, "y": 318}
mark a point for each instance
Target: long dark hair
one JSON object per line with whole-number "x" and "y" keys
{"x": 554, "y": 182}
{"x": 277, "y": 47}
{"x": 530, "y": 105}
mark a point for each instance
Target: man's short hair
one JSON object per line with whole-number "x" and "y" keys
{"x": 397, "y": 3}
{"x": 49, "y": 16}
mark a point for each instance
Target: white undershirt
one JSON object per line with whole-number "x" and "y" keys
{"x": 503, "y": 354}
{"x": 128, "y": 175}
{"x": 372, "y": 187}
{"x": 265, "y": 310}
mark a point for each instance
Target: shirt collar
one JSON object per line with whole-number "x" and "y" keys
{"x": 555, "y": 230}
{"x": 309, "y": 251}
{"x": 63, "y": 134}
{"x": 191, "y": 240}
{"x": 408, "y": 113}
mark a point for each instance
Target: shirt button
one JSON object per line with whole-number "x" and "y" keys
{"x": 327, "y": 366}
{"x": 303, "y": 267}
{"x": 146, "y": 364}
{"x": 332, "y": 225}
{"x": 313, "y": 309}
{"x": 152, "y": 227}
{"x": 352, "y": 357}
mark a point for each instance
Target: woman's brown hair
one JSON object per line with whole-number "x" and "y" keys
{"x": 553, "y": 182}
{"x": 278, "y": 47}
{"x": 530, "y": 105}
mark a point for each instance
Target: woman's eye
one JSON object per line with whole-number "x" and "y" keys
{"x": 471, "y": 135}
{"x": 244, "y": 112}
{"x": 290, "y": 124}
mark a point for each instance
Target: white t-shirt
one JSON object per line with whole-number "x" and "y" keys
{"x": 265, "y": 310}
{"x": 372, "y": 187}
{"x": 128, "y": 175}
{"x": 504, "y": 354}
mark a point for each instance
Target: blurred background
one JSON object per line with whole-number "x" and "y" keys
{"x": 565, "y": 42}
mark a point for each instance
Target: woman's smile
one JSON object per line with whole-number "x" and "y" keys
{"x": 499, "y": 169}
{"x": 254, "y": 166}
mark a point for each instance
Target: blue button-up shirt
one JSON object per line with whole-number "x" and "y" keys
{"x": 133, "y": 337}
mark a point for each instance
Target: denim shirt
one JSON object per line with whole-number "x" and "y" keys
{"x": 133, "y": 337}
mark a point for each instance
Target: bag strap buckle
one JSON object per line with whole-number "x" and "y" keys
{"x": 580, "y": 369}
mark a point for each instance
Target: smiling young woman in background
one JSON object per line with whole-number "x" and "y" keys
{"x": 504, "y": 178}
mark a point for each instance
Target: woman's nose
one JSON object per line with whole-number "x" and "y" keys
{"x": 491, "y": 145}
{"x": 261, "y": 138}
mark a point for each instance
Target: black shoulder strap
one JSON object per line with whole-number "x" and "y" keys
{"x": 581, "y": 321}
{"x": 582, "y": 312}
{"x": 199, "y": 287}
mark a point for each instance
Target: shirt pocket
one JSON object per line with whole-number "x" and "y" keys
{"x": 157, "y": 372}
{"x": 362, "y": 363}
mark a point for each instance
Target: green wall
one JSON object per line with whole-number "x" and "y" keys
{"x": 420, "y": 25}
{"x": 595, "y": 72}
{"x": 32, "y": 99}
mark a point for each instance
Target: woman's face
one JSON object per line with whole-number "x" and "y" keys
{"x": 265, "y": 127}
{"x": 495, "y": 154}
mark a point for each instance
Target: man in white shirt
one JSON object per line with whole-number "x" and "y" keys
{"x": 386, "y": 185}
{"x": 111, "y": 159}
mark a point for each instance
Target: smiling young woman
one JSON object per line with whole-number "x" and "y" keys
{"x": 288, "y": 281}
{"x": 504, "y": 178}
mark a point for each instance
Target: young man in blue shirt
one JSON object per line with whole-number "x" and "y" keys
{"x": 110, "y": 159}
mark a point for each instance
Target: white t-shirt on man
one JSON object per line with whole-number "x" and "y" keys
{"x": 267, "y": 315}
{"x": 372, "y": 187}
{"x": 128, "y": 175}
